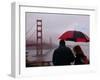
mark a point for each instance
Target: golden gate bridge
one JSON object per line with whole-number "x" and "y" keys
{"x": 36, "y": 40}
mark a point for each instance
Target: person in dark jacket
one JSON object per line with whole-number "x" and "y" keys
{"x": 80, "y": 56}
{"x": 62, "y": 55}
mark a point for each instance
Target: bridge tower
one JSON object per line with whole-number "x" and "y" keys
{"x": 39, "y": 38}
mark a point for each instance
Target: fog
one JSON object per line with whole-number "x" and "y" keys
{"x": 55, "y": 25}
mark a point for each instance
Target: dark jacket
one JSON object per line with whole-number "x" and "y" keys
{"x": 63, "y": 56}
{"x": 80, "y": 59}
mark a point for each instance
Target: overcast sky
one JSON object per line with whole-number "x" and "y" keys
{"x": 56, "y": 24}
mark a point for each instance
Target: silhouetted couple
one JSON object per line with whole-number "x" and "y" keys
{"x": 64, "y": 56}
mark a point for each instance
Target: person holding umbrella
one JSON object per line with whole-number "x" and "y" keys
{"x": 63, "y": 55}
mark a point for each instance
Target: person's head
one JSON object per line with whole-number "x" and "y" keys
{"x": 77, "y": 49}
{"x": 62, "y": 43}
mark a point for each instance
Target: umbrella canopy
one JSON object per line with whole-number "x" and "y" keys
{"x": 75, "y": 36}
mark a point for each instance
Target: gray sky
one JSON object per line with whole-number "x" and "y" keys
{"x": 55, "y": 24}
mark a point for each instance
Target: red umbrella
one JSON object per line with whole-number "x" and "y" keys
{"x": 76, "y": 36}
